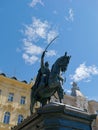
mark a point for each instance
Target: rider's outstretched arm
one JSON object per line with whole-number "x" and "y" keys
{"x": 42, "y": 59}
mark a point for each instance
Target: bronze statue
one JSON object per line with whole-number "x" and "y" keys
{"x": 43, "y": 72}
{"x": 49, "y": 83}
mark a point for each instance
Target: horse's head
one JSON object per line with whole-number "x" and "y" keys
{"x": 63, "y": 62}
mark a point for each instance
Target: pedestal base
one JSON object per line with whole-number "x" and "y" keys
{"x": 57, "y": 116}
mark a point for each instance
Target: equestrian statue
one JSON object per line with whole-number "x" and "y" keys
{"x": 49, "y": 81}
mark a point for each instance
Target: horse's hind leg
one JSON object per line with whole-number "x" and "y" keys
{"x": 32, "y": 102}
{"x": 44, "y": 102}
{"x": 32, "y": 106}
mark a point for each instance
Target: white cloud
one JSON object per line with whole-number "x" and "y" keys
{"x": 84, "y": 72}
{"x": 51, "y": 53}
{"x": 70, "y": 16}
{"x": 51, "y": 35}
{"x": 29, "y": 59}
{"x": 37, "y": 29}
{"x": 34, "y": 33}
{"x": 35, "y": 2}
{"x": 30, "y": 48}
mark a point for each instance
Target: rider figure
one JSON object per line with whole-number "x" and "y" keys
{"x": 43, "y": 73}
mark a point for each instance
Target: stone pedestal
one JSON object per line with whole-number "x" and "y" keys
{"x": 56, "y": 116}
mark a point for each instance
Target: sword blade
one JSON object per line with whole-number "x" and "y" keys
{"x": 50, "y": 42}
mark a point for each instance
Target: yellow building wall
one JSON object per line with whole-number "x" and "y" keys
{"x": 8, "y": 85}
{"x": 93, "y": 108}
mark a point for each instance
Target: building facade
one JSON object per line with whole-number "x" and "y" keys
{"x": 14, "y": 101}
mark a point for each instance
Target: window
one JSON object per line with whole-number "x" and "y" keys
{"x": 10, "y": 97}
{"x": 6, "y": 118}
{"x": 22, "y": 100}
{"x": 20, "y": 118}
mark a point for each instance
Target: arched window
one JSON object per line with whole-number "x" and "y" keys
{"x": 6, "y": 118}
{"x": 20, "y": 118}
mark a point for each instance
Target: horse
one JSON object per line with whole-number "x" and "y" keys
{"x": 55, "y": 82}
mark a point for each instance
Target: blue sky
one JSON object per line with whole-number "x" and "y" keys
{"x": 27, "y": 26}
